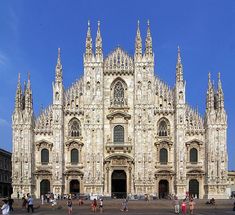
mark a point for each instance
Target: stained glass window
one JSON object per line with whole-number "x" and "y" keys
{"x": 45, "y": 156}
{"x": 163, "y": 156}
{"x": 193, "y": 155}
{"x": 74, "y": 156}
{"x": 118, "y": 134}
{"x": 118, "y": 94}
{"x": 162, "y": 129}
{"x": 74, "y": 128}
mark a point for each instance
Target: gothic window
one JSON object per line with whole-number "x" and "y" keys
{"x": 118, "y": 134}
{"x": 74, "y": 156}
{"x": 74, "y": 128}
{"x": 193, "y": 155}
{"x": 163, "y": 156}
{"x": 45, "y": 156}
{"x": 162, "y": 128}
{"x": 118, "y": 94}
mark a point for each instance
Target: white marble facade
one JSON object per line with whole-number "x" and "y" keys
{"x": 120, "y": 129}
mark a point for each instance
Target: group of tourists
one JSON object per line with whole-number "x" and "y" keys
{"x": 28, "y": 202}
{"x": 184, "y": 205}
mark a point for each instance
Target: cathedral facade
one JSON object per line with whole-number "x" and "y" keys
{"x": 120, "y": 130}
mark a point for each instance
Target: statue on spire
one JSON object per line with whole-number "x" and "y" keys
{"x": 138, "y": 42}
{"x": 98, "y": 44}
{"x": 220, "y": 94}
{"x": 18, "y": 98}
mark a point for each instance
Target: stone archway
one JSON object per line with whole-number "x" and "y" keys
{"x": 194, "y": 188}
{"x": 119, "y": 184}
{"x": 45, "y": 187}
{"x": 74, "y": 186}
{"x": 163, "y": 189}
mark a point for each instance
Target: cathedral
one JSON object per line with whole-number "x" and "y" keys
{"x": 120, "y": 131}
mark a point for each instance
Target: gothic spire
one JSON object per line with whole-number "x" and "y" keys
{"x": 138, "y": 42}
{"x": 18, "y": 97}
{"x": 58, "y": 69}
{"x": 28, "y": 95}
{"x": 179, "y": 67}
{"x": 148, "y": 42}
{"x": 220, "y": 94}
{"x": 98, "y": 44}
{"x": 88, "y": 52}
{"x": 210, "y": 95}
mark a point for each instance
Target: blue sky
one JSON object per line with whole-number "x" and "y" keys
{"x": 31, "y": 32}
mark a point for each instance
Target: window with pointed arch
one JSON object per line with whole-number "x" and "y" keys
{"x": 74, "y": 128}
{"x": 163, "y": 156}
{"x": 74, "y": 156}
{"x": 163, "y": 128}
{"x": 44, "y": 156}
{"x": 193, "y": 155}
{"x": 118, "y": 94}
{"x": 118, "y": 134}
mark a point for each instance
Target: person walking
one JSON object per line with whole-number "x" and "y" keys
{"x": 176, "y": 205}
{"x": 125, "y": 205}
{"x": 191, "y": 206}
{"x": 101, "y": 205}
{"x": 70, "y": 206}
{"x": 5, "y": 207}
{"x": 30, "y": 204}
{"x": 94, "y": 205}
{"x": 183, "y": 207}
{"x": 10, "y": 203}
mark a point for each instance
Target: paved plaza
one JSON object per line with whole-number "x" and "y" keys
{"x": 135, "y": 207}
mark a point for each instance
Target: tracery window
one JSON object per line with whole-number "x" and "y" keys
{"x": 118, "y": 134}
{"x": 162, "y": 128}
{"x": 193, "y": 155}
{"x": 44, "y": 156}
{"x": 118, "y": 94}
{"x": 163, "y": 156}
{"x": 74, "y": 156}
{"x": 74, "y": 128}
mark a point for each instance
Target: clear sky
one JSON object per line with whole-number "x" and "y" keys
{"x": 31, "y": 32}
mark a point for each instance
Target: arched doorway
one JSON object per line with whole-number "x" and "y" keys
{"x": 74, "y": 186}
{"x": 119, "y": 184}
{"x": 163, "y": 189}
{"x": 194, "y": 188}
{"x": 44, "y": 187}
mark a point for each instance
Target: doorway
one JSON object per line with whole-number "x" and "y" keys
{"x": 119, "y": 184}
{"x": 44, "y": 187}
{"x": 163, "y": 189}
{"x": 74, "y": 186}
{"x": 194, "y": 188}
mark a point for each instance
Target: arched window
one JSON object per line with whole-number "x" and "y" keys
{"x": 193, "y": 155}
{"x": 118, "y": 134}
{"x": 44, "y": 156}
{"x": 118, "y": 94}
{"x": 163, "y": 156}
{"x": 74, "y": 128}
{"x": 162, "y": 128}
{"x": 74, "y": 156}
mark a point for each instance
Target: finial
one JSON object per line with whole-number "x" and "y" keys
{"x": 179, "y": 57}
{"x": 19, "y": 77}
{"x": 209, "y": 75}
{"x": 138, "y": 23}
{"x": 148, "y": 23}
{"x": 98, "y": 23}
{"x": 88, "y": 23}
{"x": 58, "y": 58}
{"x": 28, "y": 76}
{"x": 219, "y": 76}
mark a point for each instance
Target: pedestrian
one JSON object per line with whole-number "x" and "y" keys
{"x": 70, "y": 206}
{"x": 30, "y": 203}
{"x": 24, "y": 202}
{"x": 10, "y": 203}
{"x": 176, "y": 205}
{"x": 42, "y": 199}
{"x": 191, "y": 206}
{"x": 5, "y": 207}
{"x": 183, "y": 207}
{"x": 101, "y": 205}
{"x": 94, "y": 205}
{"x": 125, "y": 205}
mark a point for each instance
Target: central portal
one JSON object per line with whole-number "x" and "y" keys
{"x": 119, "y": 184}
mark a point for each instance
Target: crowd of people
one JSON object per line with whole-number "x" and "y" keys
{"x": 186, "y": 203}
